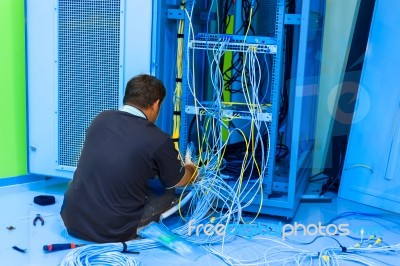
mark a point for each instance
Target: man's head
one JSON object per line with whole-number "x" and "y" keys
{"x": 146, "y": 93}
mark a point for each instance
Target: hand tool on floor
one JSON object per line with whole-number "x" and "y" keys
{"x": 22, "y": 250}
{"x": 38, "y": 217}
{"x": 56, "y": 247}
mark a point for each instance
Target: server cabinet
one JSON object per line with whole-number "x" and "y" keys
{"x": 371, "y": 169}
{"x": 80, "y": 55}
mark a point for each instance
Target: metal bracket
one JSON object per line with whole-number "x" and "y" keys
{"x": 175, "y": 14}
{"x": 180, "y": 14}
{"x": 292, "y": 19}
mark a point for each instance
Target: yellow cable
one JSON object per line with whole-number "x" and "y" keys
{"x": 251, "y": 108}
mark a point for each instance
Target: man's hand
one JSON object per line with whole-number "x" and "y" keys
{"x": 190, "y": 175}
{"x": 192, "y": 171}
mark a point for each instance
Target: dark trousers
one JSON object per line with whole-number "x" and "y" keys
{"x": 158, "y": 201}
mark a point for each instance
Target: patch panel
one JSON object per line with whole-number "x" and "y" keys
{"x": 234, "y": 47}
{"x": 261, "y": 115}
{"x": 232, "y": 42}
{"x": 235, "y": 38}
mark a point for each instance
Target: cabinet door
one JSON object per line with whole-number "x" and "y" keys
{"x": 371, "y": 174}
{"x": 79, "y": 58}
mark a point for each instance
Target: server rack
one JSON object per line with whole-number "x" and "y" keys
{"x": 203, "y": 36}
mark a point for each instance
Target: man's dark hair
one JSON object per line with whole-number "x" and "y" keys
{"x": 144, "y": 90}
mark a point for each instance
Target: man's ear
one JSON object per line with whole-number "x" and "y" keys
{"x": 156, "y": 104}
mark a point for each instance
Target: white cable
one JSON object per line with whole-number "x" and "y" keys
{"x": 101, "y": 254}
{"x": 176, "y": 207}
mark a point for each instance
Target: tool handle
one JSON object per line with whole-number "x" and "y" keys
{"x": 56, "y": 247}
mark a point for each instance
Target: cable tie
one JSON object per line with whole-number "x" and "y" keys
{"x": 177, "y": 112}
{"x": 125, "y": 247}
{"x": 178, "y": 80}
{"x": 180, "y": 35}
{"x": 175, "y": 139}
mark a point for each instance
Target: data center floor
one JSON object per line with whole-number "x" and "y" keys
{"x": 263, "y": 247}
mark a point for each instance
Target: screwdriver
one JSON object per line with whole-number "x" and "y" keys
{"x": 56, "y": 247}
